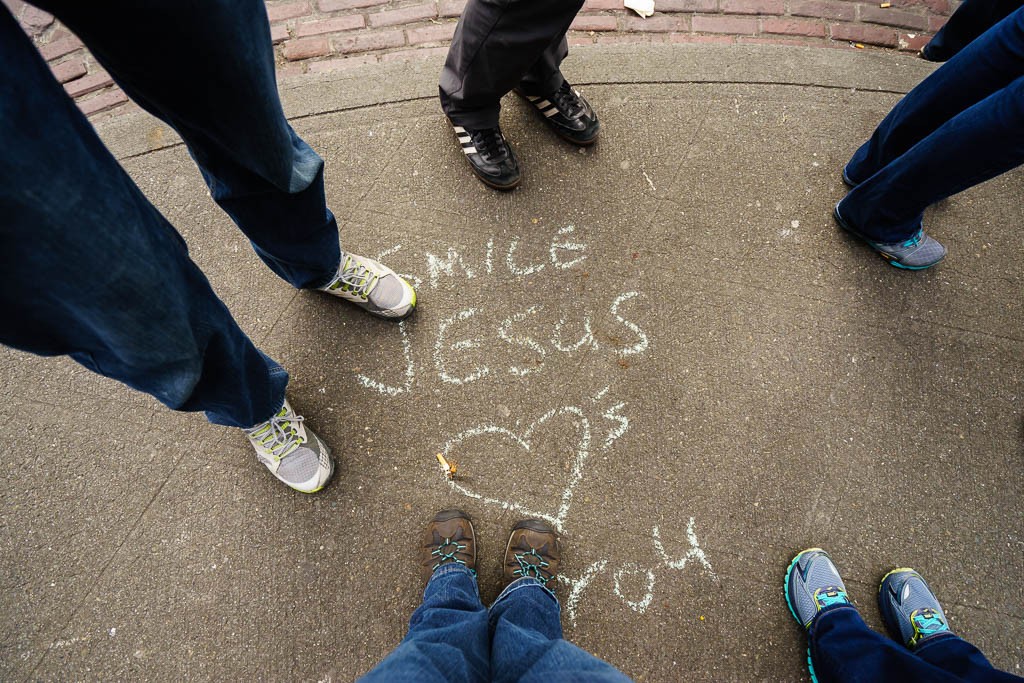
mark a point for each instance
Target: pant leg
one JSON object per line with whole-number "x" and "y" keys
{"x": 959, "y": 127}
{"x": 988, "y": 65}
{"x": 844, "y": 650}
{"x": 92, "y": 270}
{"x": 447, "y": 641}
{"x": 958, "y": 657}
{"x": 545, "y": 76}
{"x": 206, "y": 68}
{"x": 527, "y": 644}
{"x": 970, "y": 20}
{"x": 496, "y": 43}
{"x": 976, "y": 145}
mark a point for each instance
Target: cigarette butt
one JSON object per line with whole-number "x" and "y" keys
{"x": 443, "y": 463}
{"x": 885, "y": 5}
{"x": 859, "y": 46}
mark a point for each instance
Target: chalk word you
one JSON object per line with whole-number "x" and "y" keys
{"x": 467, "y": 329}
{"x": 613, "y": 424}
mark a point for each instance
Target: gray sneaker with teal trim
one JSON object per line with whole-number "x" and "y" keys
{"x": 812, "y": 584}
{"x": 918, "y": 252}
{"x": 909, "y": 609}
{"x": 373, "y": 287}
{"x": 291, "y": 451}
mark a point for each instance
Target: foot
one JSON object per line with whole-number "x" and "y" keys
{"x": 448, "y": 539}
{"x": 812, "y": 584}
{"x": 291, "y": 451}
{"x": 490, "y": 156}
{"x": 373, "y": 287}
{"x": 533, "y": 551}
{"x": 567, "y": 113}
{"x": 909, "y": 609}
{"x": 917, "y": 253}
{"x": 850, "y": 183}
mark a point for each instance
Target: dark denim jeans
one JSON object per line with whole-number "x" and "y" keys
{"x": 970, "y": 20}
{"x": 90, "y": 268}
{"x": 453, "y": 638}
{"x": 843, "y": 649}
{"x": 961, "y": 126}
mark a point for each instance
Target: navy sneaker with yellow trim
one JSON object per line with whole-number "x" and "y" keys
{"x": 909, "y": 609}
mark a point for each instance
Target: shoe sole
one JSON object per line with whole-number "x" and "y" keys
{"x": 490, "y": 183}
{"x": 789, "y": 604}
{"x": 885, "y": 257}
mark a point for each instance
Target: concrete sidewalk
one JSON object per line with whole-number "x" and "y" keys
{"x": 663, "y": 344}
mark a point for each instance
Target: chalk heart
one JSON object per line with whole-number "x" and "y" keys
{"x": 533, "y": 472}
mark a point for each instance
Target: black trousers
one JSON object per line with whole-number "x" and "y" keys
{"x": 499, "y": 45}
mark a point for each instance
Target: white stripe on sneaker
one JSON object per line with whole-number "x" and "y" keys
{"x": 542, "y": 105}
{"x": 469, "y": 150}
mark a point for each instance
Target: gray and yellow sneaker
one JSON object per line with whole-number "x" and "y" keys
{"x": 909, "y": 609}
{"x": 373, "y": 287}
{"x": 918, "y": 252}
{"x": 292, "y": 453}
{"x": 812, "y": 584}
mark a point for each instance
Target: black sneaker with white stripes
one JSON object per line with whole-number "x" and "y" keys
{"x": 567, "y": 113}
{"x": 490, "y": 156}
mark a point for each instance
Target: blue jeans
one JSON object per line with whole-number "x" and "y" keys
{"x": 961, "y": 126}
{"x": 970, "y": 20}
{"x": 90, "y": 268}
{"x": 453, "y": 638}
{"x": 845, "y": 650}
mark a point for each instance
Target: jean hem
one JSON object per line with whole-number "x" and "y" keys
{"x": 520, "y": 584}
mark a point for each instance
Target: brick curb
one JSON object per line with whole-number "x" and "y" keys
{"x": 321, "y": 36}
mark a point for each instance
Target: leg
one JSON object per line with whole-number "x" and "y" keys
{"x": 496, "y": 43}
{"x": 527, "y": 643}
{"x": 447, "y": 640}
{"x": 526, "y": 632}
{"x": 207, "y": 70}
{"x": 971, "y": 19}
{"x": 958, "y": 657}
{"x": 987, "y": 66}
{"x": 92, "y": 270}
{"x": 979, "y": 143}
{"x": 843, "y": 649}
{"x": 914, "y": 617}
{"x": 545, "y": 75}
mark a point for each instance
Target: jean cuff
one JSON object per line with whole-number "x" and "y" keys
{"x": 452, "y": 568}
{"x": 937, "y": 638}
{"x": 520, "y": 584}
{"x": 829, "y": 610}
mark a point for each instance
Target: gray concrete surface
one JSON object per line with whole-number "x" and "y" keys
{"x": 753, "y": 383}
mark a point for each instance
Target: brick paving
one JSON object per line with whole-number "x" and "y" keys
{"x": 319, "y": 36}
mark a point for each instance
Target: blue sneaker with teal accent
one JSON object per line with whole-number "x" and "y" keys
{"x": 812, "y": 584}
{"x": 909, "y": 609}
{"x": 918, "y": 252}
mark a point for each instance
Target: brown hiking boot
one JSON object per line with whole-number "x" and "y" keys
{"x": 448, "y": 539}
{"x": 533, "y": 550}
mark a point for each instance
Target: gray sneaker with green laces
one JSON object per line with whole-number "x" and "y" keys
{"x": 373, "y": 287}
{"x": 291, "y": 451}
